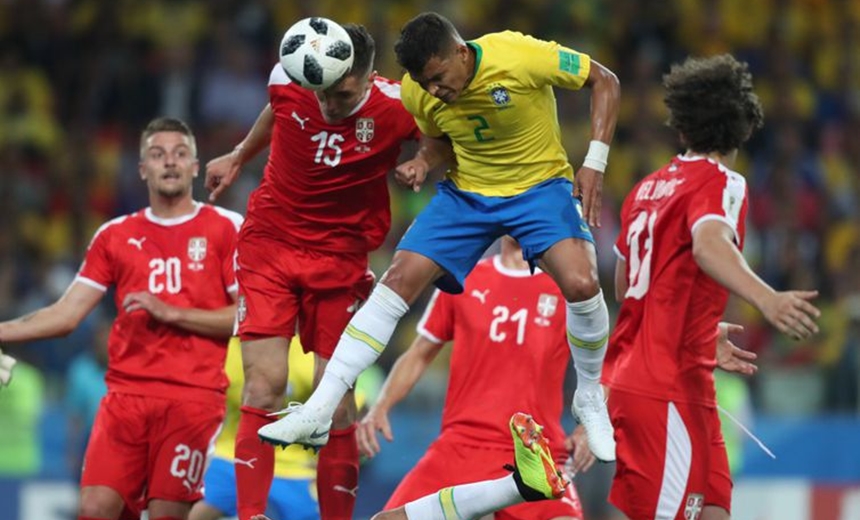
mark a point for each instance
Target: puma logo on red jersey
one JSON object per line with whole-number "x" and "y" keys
{"x": 481, "y": 295}
{"x": 344, "y": 489}
{"x": 301, "y": 120}
{"x": 137, "y": 242}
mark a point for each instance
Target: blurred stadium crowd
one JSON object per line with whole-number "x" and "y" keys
{"x": 80, "y": 78}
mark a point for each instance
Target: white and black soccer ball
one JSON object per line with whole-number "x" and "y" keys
{"x": 316, "y": 53}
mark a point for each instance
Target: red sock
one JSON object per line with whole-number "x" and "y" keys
{"x": 337, "y": 475}
{"x": 254, "y": 463}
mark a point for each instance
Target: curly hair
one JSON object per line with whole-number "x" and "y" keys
{"x": 712, "y": 104}
{"x": 425, "y": 36}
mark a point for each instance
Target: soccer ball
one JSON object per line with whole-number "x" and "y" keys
{"x": 316, "y": 53}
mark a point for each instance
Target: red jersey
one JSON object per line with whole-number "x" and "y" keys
{"x": 664, "y": 343}
{"x": 186, "y": 262}
{"x": 325, "y": 185}
{"x": 509, "y": 355}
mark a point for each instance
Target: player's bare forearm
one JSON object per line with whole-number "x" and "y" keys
{"x": 56, "y": 320}
{"x": 216, "y": 323}
{"x": 435, "y": 151}
{"x": 621, "y": 284}
{"x": 259, "y": 136}
{"x": 718, "y": 256}
{"x": 605, "y": 102}
{"x": 406, "y": 372}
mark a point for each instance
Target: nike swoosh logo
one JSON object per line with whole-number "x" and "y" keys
{"x": 318, "y": 435}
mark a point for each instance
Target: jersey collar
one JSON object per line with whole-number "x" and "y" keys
{"x": 507, "y": 271}
{"x": 175, "y": 221}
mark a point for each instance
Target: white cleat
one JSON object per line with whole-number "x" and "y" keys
{"x": 298, "y": 426}
{"x": 589, "y": 408}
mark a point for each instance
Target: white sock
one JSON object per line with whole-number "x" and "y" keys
{"x": 466, "y": 500}
{"x": 360, "y": 345}
{"x": 587, "y": 336}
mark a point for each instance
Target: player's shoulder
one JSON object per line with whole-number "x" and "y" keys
{"x": 278, "y": 76}
{"x": 228, "y": 217}
{"x": 705, "y": 170}
{"x": 501, "y": 38}
{"x": 389, "y": 88}
{"x": 119, "y": 224}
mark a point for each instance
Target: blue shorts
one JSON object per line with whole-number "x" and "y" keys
{"x": 457, "y": 227}
{"x": 289, "y": 499}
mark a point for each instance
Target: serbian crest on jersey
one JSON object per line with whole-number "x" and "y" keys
{"x": 693, "y": 506}
{"x": 364, "y": 129}
{"x": 196, "y": 252}
{"x": 546, "y": 307}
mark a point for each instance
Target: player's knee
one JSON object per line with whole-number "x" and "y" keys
{"x": 95, "y": 504}
{"x": 579, "y": 287}
{"x": 262, "y": 392}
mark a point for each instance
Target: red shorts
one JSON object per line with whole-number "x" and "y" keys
{"x": 448, "y": 463}
{"x": 285, "y": 289}
{"x": 149, "y": 447}
{"x": 671, "y": 458}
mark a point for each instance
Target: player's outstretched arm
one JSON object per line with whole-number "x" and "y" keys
{"x": 222, "y": 171}
{"x": 605, "y": 100}
{"x": 55, "y": 320}
{"x": 716, "y": 254}
{"x": 432, "y": 152}
{"x": 216, "y": 323}
{"x": 408, "y": 369}
{"x": 730, "y": 357}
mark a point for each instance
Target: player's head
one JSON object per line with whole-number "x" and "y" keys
{"x": 712, "y": 104}
{"x": 435, "y": 56}
{"x": 340, "y": 99}
{"x": 168, "y": 157}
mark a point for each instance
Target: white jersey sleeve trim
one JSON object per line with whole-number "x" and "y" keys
{"x": 720, "y": 218}
{"x": 278, "y": 76}
{"x": 92, "y": 283}
{"x": 233, "y": 289}
{"x": 109, "y": 223}
{"x": 234, "y": 217}
{"x": 388, "y": 88}
{"x": 422, "y": 329}
{"x": 618, "y": 253}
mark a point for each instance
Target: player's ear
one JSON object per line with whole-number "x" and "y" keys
{"x": 141, "y": 170}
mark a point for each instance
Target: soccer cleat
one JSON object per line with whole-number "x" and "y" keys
{"x": 298, "y": 426}
{"x": 589, "y": 408}
{"x": 535, "y": 473}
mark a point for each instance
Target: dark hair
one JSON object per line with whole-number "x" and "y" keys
{"x": 712, "y": 104}
{"x": 425, "y": 36}
{"x": 364, "y": 49}
{"x": 167, "y": 124}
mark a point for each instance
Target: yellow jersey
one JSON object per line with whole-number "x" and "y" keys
{"x": 294, "y": 461}
{"x": 504, "y": 125}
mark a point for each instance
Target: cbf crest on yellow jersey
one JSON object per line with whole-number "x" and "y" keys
{"x": 504, "y": 126}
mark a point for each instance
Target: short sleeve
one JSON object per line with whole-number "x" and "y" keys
{"x": 622, "y": 248}
{"x": 411, "y": 96}
{"x": 96, "y": 270}
{"x": 722, "y": 198}
{"x": 437, "y": 324}
{"x": 548, "y": 63}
